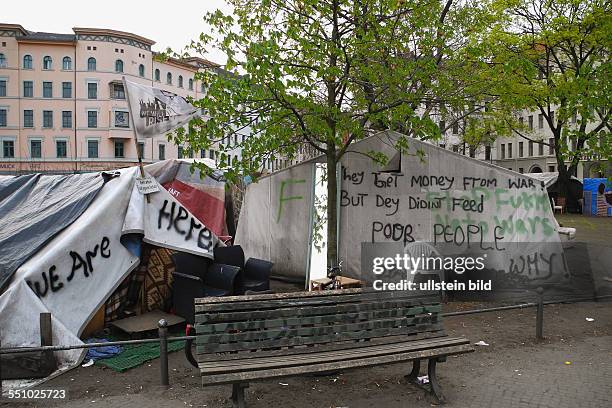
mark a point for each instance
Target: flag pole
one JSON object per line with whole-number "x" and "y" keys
{"x": 127, "y": 97}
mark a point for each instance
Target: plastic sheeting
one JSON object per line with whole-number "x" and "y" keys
{"x": 34, "y": 208}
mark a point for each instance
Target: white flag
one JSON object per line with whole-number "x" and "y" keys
{"x": 155, "y": 111}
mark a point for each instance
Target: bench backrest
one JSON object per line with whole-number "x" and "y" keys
{"x": 319, "y": 321}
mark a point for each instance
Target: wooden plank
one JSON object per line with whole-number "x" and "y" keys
{"x": 246, "y": 376}
{"x": 146, "y": 321}
{"x": 315, "y": 330}
{"x": 253, "y": 324}
{"x": 303, "y": 294}
{"x": 308, "y": 301}
{"x": 313, "y": 310}
{"x": 317, "y": 348}
{"x": 301, "y": 341}
{"x": 223, "y": 366}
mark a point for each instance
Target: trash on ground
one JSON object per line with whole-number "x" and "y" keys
{"x": 88, "y": 364}
{"x": 481, "y": 343}
{"x": 590, "y": 319}
{"x": 283, "y": 384}
{"x": 424, "y": 379}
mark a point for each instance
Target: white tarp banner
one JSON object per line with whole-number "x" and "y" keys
{"x": 155, "y": 111}
{"x": 75, "y": 273}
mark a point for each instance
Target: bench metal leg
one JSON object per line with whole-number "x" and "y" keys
{"x": 416, "y": 368}
{"x": 238, "y": 394}
{"x": 433, "y": 380}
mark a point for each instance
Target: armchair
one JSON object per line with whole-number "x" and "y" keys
{"x": 256, "y": 272}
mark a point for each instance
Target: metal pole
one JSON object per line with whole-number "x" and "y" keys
{"x": 540, "y": 314}
{"x": 0, "y": 364}
{"x": 163, "y": 352}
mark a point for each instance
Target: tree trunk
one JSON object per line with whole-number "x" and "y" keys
{"x": 332, "y": 214}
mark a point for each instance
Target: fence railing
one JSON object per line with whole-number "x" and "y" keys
{"x": 163, "y": 338}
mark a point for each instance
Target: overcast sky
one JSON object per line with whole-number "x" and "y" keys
{"x": 169, "y": 23}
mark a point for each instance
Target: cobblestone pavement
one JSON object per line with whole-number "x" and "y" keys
{"x": 533, "y": 376}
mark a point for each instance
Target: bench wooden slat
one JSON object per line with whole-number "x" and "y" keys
{"x": 219, "y": 317}
{"x": 305, "y": 301}
{"x": 321, "y": 341}
{"x": 245, "y": 376}
{"x": 212, "y": 367}
{"x": 315, "y": 320}
{"x": 303, "y": 295}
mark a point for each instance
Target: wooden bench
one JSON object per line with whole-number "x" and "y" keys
{"x": 245, "y": 338}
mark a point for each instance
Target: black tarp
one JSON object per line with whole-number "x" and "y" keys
{"x": 34, "y": 208}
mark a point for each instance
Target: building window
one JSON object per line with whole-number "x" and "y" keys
{"x": 503, "y": 151}
{"x": 521, "y": 170}
{"x": 520, "y": 152}
{"x": 442, "y": 126}
{"x": 35, "y": 149}
{"x": 92, "y": 90}
{"x": 66, "y": 119}
{"x": 27, "y": 62}
{"x": 180, "y": 81}
{"x": 530, "y": 122}
{"x": 472, "y": 152}
{"x": 191, "y": 84}
{"x": 202, "y": 153}
{"x": 8, "y": 149}
{"x": 141, "y": 70}
{"x": 551, "y": 168}
{"x": 28, "y": 89}
{"x": 211, "y": 154}
{"x": 162, "y": 152}
{"x": 169, "y": 78}
{"x": 118, "y": 66}
{"x": 541, "y": 149}
{"x": 2, "y": 117}
{"x": 487, "y": 152}
{"x": 47, "y": 119}
{"x": 540, "y": 121}
{"x": 47, "y": 62}
{"x": 92, "y": 149}
{"x": 47, "y": 89}
{"x": 203, "y": 87}
{"x": 117, "y": 91}
{"x": 67, "y": 64}
{"x": 61, "y": 149}
{"x": 2, "y": 61}
{"x": 28, "y": 118}
{"x": 119, "y": 149}
{"x": 456, "y": 148}
{"x": 92, "y": 119}
{"x": 551, "y": 146}
{"x": 509, "y": 150}
{"x": 520, "y": 119}
{"x": 455, "y": 128}
{"x": 141, "y": 151}
{"x": 91, "y": 64}
{"x": 157, "y": 75}
{"x": 180, "y": 152}
{"x": 66, "y": 89}
{"x": 122, "y": 119}
{"x": 530, "y": 148}
{"x": 3, "y": 87}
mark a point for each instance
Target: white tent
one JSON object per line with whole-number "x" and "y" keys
{"x": 78, "y": 268}
{"x": 444, "y": 197}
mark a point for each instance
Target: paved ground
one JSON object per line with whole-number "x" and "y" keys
{"x": 513, "y": 371}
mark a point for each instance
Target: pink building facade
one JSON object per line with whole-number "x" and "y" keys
{"x": 62, "y": 102}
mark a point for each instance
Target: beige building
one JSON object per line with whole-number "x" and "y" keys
{"x": 62, "y": 102}
{"x": 538, "y": 155}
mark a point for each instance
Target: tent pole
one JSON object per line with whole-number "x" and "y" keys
{"x": 127, "y": 96}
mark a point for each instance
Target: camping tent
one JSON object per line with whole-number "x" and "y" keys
{"x": 94, "y": 220}
{"x": 597, "y": 197}
{"x": 443, "y": 198}
{"x": 551, "y": 185}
